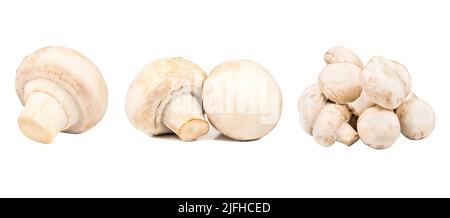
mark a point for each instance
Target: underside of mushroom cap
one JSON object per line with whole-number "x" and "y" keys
{"x": 386, "y": 83}
{"x": 155, "y": 86}
{"x": 72, "y": 72}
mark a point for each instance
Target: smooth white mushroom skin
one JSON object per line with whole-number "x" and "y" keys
{"x": 340, "y": 54}
{"x": 242, "y": 100}
{"x": 340, "y": 82}
{"x": 378, "y": 128}
{"x": 165, "y": 98}
{"x": 62, "y": 91}
{"x": 310, "y": 104}
{"x": 417, "y": 119}
{"x": 331, "y": 125}
{"x": 386, "y": 83}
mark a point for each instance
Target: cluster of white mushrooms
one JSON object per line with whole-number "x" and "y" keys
{"x": 373, "y": 102}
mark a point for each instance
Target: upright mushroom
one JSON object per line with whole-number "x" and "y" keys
{"x": 378, "y": 127}
{"x": 61, "y": 91}
{"x": 417, "y": 118}
{"x": 340, "y": 82}
{"x": 385, "y": 83}
{"x": 332, "y": 125}
{"x": 340, "y": 54}
{"x": 242, "y": 100}
{"x": 165, "y": 98}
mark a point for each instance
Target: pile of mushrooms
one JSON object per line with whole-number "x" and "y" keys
{"x": 373, "y": 102}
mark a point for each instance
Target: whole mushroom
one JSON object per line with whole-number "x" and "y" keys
{"x": 340, "y": 82}
{"x": 332, "y": 125}
{"x": 311, "y": 102}
{"x": 378, "y": 127}
{"x": 165, "y": 98}
{"x": 340, "y": 54}
{"x": 417, "y": 118}
{"x": 385, "y": 83}
{"x": 62, "y": 91}
{"x": 242, "y": 100}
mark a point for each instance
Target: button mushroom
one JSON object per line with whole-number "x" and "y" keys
{"x": 165, "y": 98}
{"x": 340, "y": 54}
{"x": 378, "y": 127}
{"x": 340, "y": 82}
{"x": 61, "y": 90}
{"x": 417, "y": 118}
{"x": 242, "y": 100}
{"x": 332, "y": 125}
{"x": 310, "y": 104}
{"x": 385, "y": 83}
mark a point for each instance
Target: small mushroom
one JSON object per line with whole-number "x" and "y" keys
{"x": 417, "y": 118}
{"x": 332, "y": 125}
{"x": 242, "y": 100}
{"x": 378, "y": 128}
{"x": 385, "y": 83}
{"x": 340, "y": 54}
{"x": 340, "y": 82}
{"x": 165, "y": 98}
{"x": 61, "y": 90}
{"x": 310, "y": 104}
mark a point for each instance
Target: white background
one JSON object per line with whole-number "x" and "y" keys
{"x": 287, "y": 37}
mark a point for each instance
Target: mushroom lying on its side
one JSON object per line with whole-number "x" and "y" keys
{"x": 378, "y": 127}
{"x": 332, "y": 125}
{"x": 165, "y": 98}
{"x": 311, "y": 106}
{"x": 62, "y": 91}
{"x": 417, "y": 118}
{"x": 385, "y": 83}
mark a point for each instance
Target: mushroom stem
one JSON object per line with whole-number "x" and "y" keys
{"x": 360, "y": 104}
{"x": 42, "y": 118}
{"x": 184, "y": 116}
{"x": 347, "y": 135}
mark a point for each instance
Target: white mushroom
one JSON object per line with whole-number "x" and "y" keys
{"x": 310, "y": 104}
{"x": 165, "y": 98}
{"x": 242, "y": 100}
{"x": 340, "y": 82}
{"x": 340, "y": 54}
{"x": 385, "y": 83}
{"x": 417, "y": 118}
{"x": 378, "y": 127}
{"x": 61, "y": 91}
{"x": 332, "y": 125}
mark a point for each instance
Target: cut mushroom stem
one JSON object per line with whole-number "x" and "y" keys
{"x": 184, "y": 116}
{"x": 358, "y": 106}
{"x": 347, "y": 135}
{"x": 42, "y": 118}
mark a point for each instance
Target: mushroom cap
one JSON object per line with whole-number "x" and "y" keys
{"x": 74, "y": 73}
{"x": 340, "y": 54}
{"x": 242, "y": 100}
{"x": 417, "y": 119}
{"x": 310, "y": 104}
{"x": 328, "y": 122}
{"x": 387, "y": 83}
{"x": 340, "y": 82}
{"x": 153, "y": 88}
{"x": 378, "y": 127}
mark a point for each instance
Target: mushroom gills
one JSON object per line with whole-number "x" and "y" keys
{"x": 184, "y": 116}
